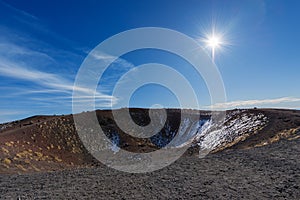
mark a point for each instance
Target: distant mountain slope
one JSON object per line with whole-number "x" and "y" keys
{"x": 46, "y": 143}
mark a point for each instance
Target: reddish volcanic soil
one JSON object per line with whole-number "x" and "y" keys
{"x": 40, "y": 143}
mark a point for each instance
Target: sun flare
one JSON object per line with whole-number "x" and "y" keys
{"x": 214, "y": 42}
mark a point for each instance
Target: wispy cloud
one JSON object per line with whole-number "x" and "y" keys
{"x": 18, "y": 11}
{"x": 9, "y": 112}
{"x": 10, "y": 115}
{"x": 35, "y": 83}
{"x": 253, "y": 103}
{"x": 38, "y": 76}
{"x": 15, "y": 51}
{"x": 110, "y": 58}
{"x": 49, "y": 80}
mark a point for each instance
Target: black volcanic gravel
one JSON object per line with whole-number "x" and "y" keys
{"x": 269, "y": 172}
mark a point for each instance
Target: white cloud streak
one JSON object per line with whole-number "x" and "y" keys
{"x": 14, "y": 51}
{"x": 253, "y": 103}
{"x": 109, "y": 59}
{"x": 48, "y": 80}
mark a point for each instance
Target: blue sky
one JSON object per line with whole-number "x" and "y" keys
{"x": 42, "y": 45}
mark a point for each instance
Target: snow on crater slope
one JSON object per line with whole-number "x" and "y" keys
{"x": 236, "y": 127}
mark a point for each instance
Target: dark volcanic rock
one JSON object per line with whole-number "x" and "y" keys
{"x": 268, "y": 172}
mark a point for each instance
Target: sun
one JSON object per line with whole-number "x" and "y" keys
{"x": 213, "y": 42}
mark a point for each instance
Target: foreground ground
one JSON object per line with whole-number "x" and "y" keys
{"x": 267, "y": 172}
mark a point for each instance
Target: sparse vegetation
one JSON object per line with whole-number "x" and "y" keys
{"x": 7, "y": 161}
{"x": 5, "y": 151}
